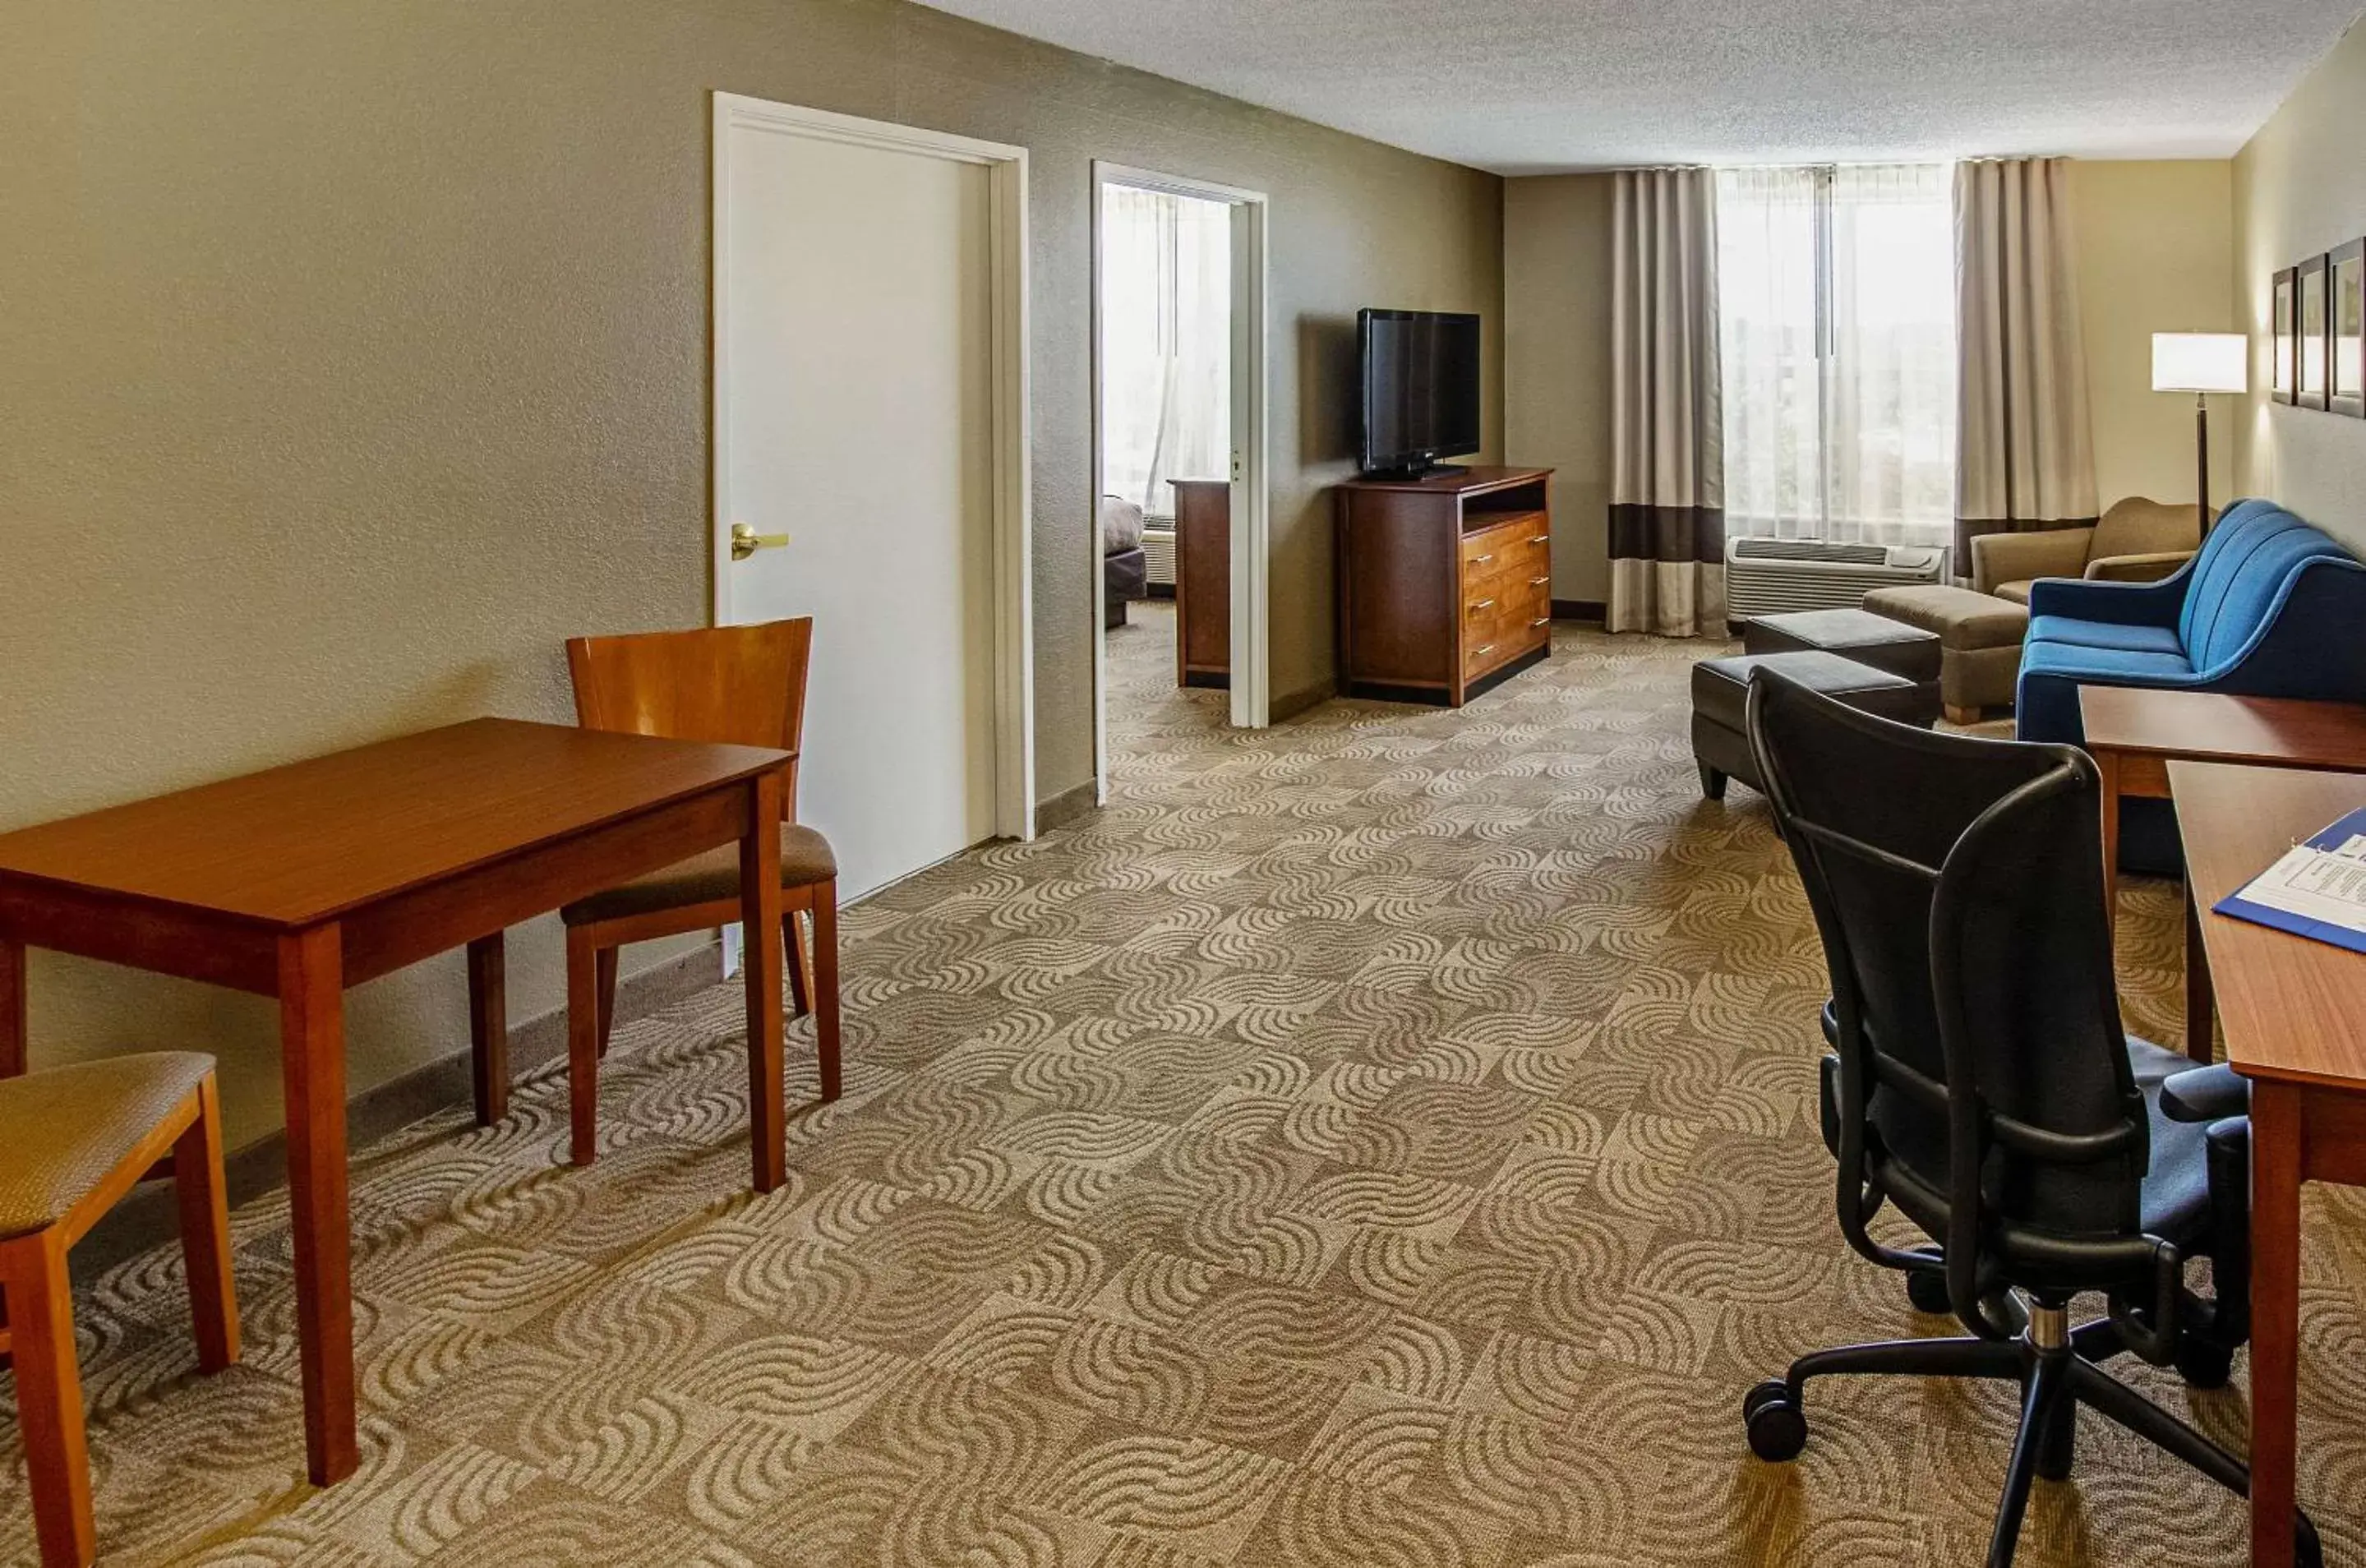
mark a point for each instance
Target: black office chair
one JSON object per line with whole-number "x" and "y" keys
{"x": 1980, "y": 1082}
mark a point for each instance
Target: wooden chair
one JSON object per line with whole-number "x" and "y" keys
{"x": 740, "y": 685}
{"x": 73, "y": 1142}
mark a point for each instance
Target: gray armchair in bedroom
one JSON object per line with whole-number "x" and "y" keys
{"x": 2139, "y": 540}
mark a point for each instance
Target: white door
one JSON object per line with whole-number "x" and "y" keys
{"x": 856, "y": 425}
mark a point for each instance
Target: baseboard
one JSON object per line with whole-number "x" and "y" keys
{"x": 1066, "y": 807}
{"x": 1593, "y": 610}
{"x": 1290, "y": 706}
{"x": 146, "y": 1217}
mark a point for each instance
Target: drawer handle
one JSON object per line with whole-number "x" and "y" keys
{"x": 1541, "y": 539}
{"x": 1541, "y": 620}
{"x": 1483, "y": 647}
{"x": 1538, "y": 581}
{"x": 1483, "y": 604}
{"x": 1481, "y": 560}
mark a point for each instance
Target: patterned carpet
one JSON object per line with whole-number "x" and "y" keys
{"x": 1383, "y": 1140}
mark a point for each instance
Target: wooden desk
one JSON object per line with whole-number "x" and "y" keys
{"x": 2296, "y": 1017}
{"x": 303, "y": 880}
{"x": 2134, "y": 735}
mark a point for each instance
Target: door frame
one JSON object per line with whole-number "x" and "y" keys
{"x": 1011, "y": 438}
{"x": 1251, "y": 528}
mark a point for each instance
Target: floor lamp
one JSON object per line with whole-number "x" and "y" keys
{"x": 2201, "y": 363}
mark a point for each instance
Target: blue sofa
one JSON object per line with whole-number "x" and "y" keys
{"x": 2270, "y": 608}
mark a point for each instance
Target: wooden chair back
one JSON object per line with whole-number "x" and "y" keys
{"x": 737, "y": 685}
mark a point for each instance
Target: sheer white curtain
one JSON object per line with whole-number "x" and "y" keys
{"x": 1837, "y": 292}
{"x": 1166, "y": 343}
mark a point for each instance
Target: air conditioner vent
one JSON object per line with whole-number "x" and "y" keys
{"x": 1771, "y": 577}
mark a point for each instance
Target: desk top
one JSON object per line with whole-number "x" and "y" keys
{"x": 2283, "y": 732}
{"x": 2291, "y": 1008}
{"x": 295, "y": 845}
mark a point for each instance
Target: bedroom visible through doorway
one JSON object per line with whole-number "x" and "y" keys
{"x": 1178, "y": 313}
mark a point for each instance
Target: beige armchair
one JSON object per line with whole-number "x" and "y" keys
{"x": 2137, "y": 540}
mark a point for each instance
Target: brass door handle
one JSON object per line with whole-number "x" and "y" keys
{"x": 1541, "y": 620}
{"x": 1541, "y": 539}
{"x": 1482, "y": 560}
{"x": 746, "y": 541}
{"x": 1483, "y": 604}
{"x": 1538, "y": 581}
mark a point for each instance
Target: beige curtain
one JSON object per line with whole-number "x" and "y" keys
{"x": 1667, "y": 472}
{"x": 2025, "y": 453}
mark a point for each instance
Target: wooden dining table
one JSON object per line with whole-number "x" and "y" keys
{"x": 300, "y": 881}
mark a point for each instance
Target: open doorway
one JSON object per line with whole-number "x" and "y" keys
{"x": 1178, "y": 452}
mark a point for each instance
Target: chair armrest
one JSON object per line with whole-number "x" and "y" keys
{"x": 2016, "y": 557}
{"x": 2205, "y": 1094}
{"x": 2115, "y": 604}
{"x": 2150, "y": 567}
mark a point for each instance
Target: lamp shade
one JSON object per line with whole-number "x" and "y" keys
{"x": 2201, "y": 362}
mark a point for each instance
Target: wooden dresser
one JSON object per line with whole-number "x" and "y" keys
{"x": 1444, "y": 583}
{"x": 1203, "y": 583}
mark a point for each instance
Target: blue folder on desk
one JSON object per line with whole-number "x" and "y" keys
{"x": 2328, "y": 839}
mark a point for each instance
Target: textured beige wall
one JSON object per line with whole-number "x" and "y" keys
{"x": 2155, "y": 254}
{"x": 2300, "y": 187}
{"x": 1556, "y": 362}
{"x": 2156, "y": 243}
{"x": 353, "y": 355}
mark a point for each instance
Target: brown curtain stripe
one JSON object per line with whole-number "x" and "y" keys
{"x": 1638, "y": 532}
{"x": 2025, "y": 454}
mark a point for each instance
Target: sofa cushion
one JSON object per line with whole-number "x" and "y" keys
{"x": 2104, "y": 634}
{"x": 2016, "y": 591}
{"x": 2105, "y": 666}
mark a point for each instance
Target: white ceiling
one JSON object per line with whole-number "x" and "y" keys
{"x": 1531, "y": 86}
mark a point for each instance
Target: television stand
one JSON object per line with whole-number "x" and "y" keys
{"x": 1399, "y": 476}
{"x": 1445, "y": 583}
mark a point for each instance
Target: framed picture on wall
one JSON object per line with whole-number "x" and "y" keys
{"x": 2313, "y": 274}
{"x": 2287, "y": 324}
{"x": 2346, "y": 324}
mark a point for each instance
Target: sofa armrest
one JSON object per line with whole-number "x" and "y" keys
{"x": 2308, "y": 644}
{"x": 2150, "y": 567}
{"x": 2116, "y": 604}
{"x": 2017, "y": 557}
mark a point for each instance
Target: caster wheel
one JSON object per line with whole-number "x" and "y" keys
{"x": 1777, "y": 1426}
{"x": 1927, "y": 1290}
{"x": 2307, "y": 1551}
{"x": 2204, "y": 1365}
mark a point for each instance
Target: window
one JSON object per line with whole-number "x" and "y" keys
{"x": 1836, "y": 306}
{"x": 1166, "y": 410}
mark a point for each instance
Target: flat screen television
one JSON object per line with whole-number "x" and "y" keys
{"x": 1420, "y": 388}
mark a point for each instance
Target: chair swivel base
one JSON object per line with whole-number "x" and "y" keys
{"x": 2058, "y": 1370}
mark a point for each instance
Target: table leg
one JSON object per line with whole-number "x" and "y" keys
{"x": 2108, "y": 765}
{"x": 583, "y": 1042}
{"x": 760, "y": 949}
{"x": 2200, "y": 1002}
{"x": 312, "y": 1061}
{"x": 13, "y": 1060}
{"x": 2277, "y": 1160}
{"x": 489, "y": 1027}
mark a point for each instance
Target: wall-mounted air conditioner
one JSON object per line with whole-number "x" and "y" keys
{"x": 1769, "y": 577}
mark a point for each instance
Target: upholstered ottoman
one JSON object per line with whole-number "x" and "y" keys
{"x": 1979, "y": 641}
{"x": 1721, "y": 693}
{"x": 1878, "y": 641}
